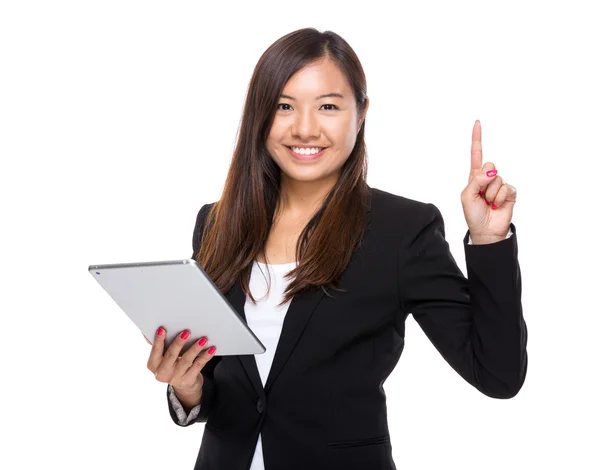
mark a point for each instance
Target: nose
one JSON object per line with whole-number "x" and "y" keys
{"x": 306, "y": 126}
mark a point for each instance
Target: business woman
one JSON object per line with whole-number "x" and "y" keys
{"x": 325, "y": 270}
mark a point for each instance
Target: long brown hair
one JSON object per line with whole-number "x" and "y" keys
{"x": 238, "y": 225}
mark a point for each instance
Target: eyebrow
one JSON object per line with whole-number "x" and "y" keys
{"x": 328, "y": 95}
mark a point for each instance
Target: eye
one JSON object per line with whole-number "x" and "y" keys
{"x": 279, "y": 106}
{"x": 333, "y": 107}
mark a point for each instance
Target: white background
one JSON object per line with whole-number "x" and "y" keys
{"x": 117, "y": 122}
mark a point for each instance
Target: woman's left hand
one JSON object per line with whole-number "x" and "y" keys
{"x": 487, "y": 200}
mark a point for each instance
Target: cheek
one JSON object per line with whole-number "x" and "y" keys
{"x": 346, "y": 136}
{"x": 275, "y": 137}
{"x": 342, "y": 132}
{"x": 271, "y": 145}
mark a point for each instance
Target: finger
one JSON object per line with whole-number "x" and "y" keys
{"x": 487, "y": 166}
{"x": 186, "y": 359}
{"x": 491, "y": 192}
{"x": 482, "y": 179}
{"x": 507, "y": 195}
{"x": 197, "y": 366}
{"x": 476, "y": 151}
{"x": 156, "y": 353}
{"x": 173, "y": 351}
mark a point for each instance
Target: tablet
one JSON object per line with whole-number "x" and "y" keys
{"x": 177, "y": 295}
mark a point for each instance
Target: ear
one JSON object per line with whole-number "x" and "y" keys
{"x": 364, "y": 114}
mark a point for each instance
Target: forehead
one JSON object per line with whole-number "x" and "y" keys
{"x": 318, "y": 78}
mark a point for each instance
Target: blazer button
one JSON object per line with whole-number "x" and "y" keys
{"x": 260, "y": 407}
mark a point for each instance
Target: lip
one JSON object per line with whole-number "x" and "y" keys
{"x": 306, "y": 157}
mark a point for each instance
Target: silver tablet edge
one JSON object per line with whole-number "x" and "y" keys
{"x": 93, "y": 267}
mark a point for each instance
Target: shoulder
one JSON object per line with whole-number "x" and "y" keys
{"x": 400, "y": 220}
{"x": 199, "y": 226}
{"x": 203, "y": 212}
{"x": 385, "y": 204}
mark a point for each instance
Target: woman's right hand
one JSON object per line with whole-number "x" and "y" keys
{"x": 182, "y": 372}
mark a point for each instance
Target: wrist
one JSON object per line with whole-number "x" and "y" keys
{"x": 485, "y": 239}
{"x": 188, "y": 398}
{"x": 186, "y": 392}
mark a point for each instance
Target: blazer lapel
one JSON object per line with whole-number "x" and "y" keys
{"x": 299, "y": 312}
{"x": 237, "y": 299}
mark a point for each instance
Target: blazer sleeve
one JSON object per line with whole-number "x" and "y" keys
{"x": 476, "y": 323}
{"x": 209, "y": 392}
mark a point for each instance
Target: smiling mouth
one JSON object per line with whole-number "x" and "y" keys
{"x": 306, "y": 153}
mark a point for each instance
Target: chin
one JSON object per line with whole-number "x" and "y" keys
{"x": 308, "y": 177}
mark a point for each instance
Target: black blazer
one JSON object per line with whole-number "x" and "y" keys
{"x": 323, "y": 405}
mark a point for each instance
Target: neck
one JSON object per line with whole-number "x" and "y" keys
{"x": 303, "y": 197}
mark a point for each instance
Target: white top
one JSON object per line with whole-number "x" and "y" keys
{"x": 265, "y": 319}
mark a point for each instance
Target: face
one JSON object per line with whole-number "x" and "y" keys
{"x": 316, "y": 124}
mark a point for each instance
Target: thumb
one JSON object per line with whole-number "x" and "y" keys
{"x": 481, "y": 181}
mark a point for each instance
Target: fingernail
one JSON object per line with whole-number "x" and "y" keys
{"x": 494, "y": 206}
{"x": 491, "y": 173}
{"x": 185, "y": 335}
{"x": 159, "y": 332}
{"x": 487, "y": 202}
{"x": 212, "y": 350}
{"x": 202, "y": 342}
{"x": 481, "y": 193}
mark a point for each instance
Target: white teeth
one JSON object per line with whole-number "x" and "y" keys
{"x": 304, "y": 151}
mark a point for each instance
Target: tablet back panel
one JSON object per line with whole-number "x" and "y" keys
{"x": 177, "y": 295}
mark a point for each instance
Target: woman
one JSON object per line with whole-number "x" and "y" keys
{"x": 344, "y": 265}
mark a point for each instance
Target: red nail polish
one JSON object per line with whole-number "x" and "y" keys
{"x": 481, "y": 193}
{"x": 212, "y": 350}
{"x": 491, "y": 173}
{"x": 494, "y": 206}
{"x": 185, "y": 335}
{"x": 487, "y": 202}
{"x": 202, "y": 342}
{"x": 159, "y": 332}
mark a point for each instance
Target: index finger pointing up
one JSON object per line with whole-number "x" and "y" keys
{"x": 476, "y": 154}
